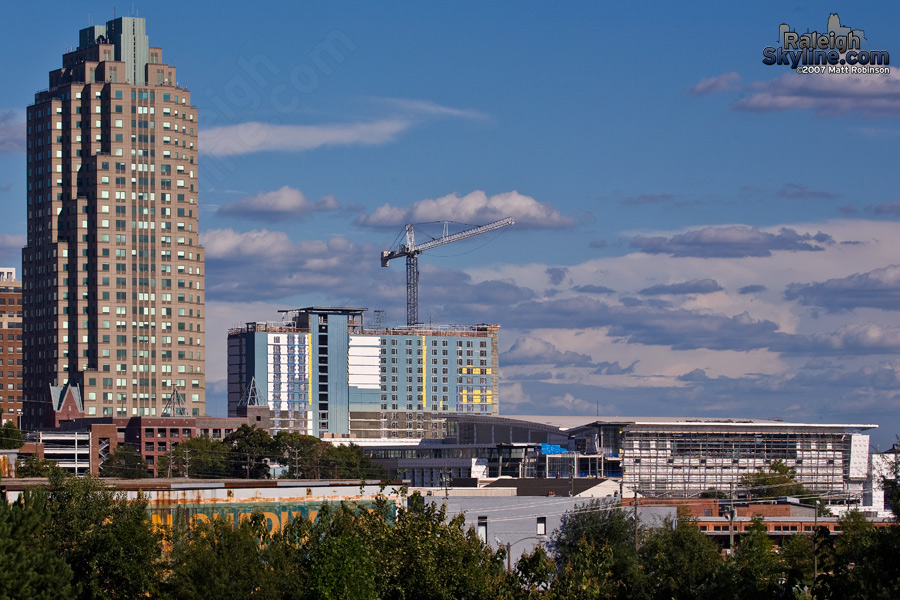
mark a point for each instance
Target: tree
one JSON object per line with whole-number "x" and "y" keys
{"x": 30, "y": 567}
{"x": 682, "y": 562}
{"x": 32, "y": 466}
{"x": 250, "y": 450}
{"x": 604, "y": 531}
{"x": 106, "y": 539}
{"x": 217, "y": 559}
{"x": 124, "y": 462}
{"x": 200, "y": 458}
{"x": 11, "y": 437}
{"x": 797, "y": 553}
{"x": 307, "y": 457}
{"x": 351, "y": 462}
{"x": 535, "y": 572}
{"x": 755, "y": 567}
{"x": 426, "y": 556}
{"x": 303, "y": 455}
{"x": 780, "y": 480}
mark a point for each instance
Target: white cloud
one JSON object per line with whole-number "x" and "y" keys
{"x": 868, "y": 94}
{"x": 720, "y": 83}
{"x": 254, "y": 136}
{"x": 427, "y": 108}
{"x": 277, "y": 205}
{"x": 12, "y": 131}
{"x": 475, "y": 207}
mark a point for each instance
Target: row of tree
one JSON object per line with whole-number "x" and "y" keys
{"x": 246, "y": 453}
{"x": 79, "y": 539}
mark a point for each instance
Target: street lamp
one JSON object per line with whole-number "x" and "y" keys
{"x": 509, "y": 546}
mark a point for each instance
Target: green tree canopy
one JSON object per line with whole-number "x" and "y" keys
{"x": 604, "y": 531}
{"x": 250, "y": 450}
{"x": 11, "y": 437}
{"x": 303, "y": 455}
{"x": 200, "y": 457}
{"x": 755, "y": 567}
{"x": 106, "y": 539}
{"x": 124, "y": 462}
{"x": 32, "y": 466}
{"x": 681, "y": 562}
{"x": 30, "y": 566}
{"x": 780, "y": 480}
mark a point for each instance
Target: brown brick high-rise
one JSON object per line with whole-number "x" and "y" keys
{"x": 113, "y": 270}
{"x": 10, "y": 346}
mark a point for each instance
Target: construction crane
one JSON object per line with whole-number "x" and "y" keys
{"x": 411, "y": 251}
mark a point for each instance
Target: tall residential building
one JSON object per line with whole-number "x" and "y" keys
{"x": 322, "y": 373}
{"x": 10, "y": 346}
{"x": 113, "y": 269}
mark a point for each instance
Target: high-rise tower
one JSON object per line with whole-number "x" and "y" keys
{"x": 113, "y": 271}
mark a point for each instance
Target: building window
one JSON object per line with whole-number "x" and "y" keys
{"x": 482, "y": 529}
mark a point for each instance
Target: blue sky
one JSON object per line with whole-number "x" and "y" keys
{"x": 697, "y": 233}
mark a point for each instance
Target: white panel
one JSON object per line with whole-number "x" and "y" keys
{"x": 364, "y": 340}
{"x": 859, "y": 456}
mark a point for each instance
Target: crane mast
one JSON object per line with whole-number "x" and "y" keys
{"x": 411, "y": 251}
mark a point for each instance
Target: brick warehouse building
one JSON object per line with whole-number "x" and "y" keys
{"x": 113, "y": 270}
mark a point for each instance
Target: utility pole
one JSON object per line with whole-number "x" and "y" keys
{"x": 815, "y": 546}
{"x": 572, "y": 475}
{"x": 509, "y": 557}
{"x": 248, "y": 466}
{"x": 187, "y": 461}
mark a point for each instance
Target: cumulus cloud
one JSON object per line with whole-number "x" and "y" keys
{"x": 265, "y": 265}
{"x": 614, "y": 368}
{"x": 860, "y": 337}
{"x": 796, "y": 191}
{"x": 695, "y": 375}
{"x": 712, "y": 85}
{"x": 278, "y": 205}
{"x": 695, "y": 286}
{"x": 733, "y": 241}
{"x": 879, "y": 288}
{"x": 246, "y": 138}
{"x": 12, "y": 132}
{"x": 535, "y": 351}
{"x": 475, "y": 207}
{"x": 866, "y": 94}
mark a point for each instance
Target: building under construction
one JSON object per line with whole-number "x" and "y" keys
{"x": 322, "y": 373}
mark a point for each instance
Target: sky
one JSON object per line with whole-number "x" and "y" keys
{"x": 697, "y": 233}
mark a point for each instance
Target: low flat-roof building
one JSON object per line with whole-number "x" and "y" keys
{"x": 659, "y": 457}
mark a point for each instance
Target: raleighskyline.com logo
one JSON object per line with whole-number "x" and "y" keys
{"x": 837, "y": 51}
